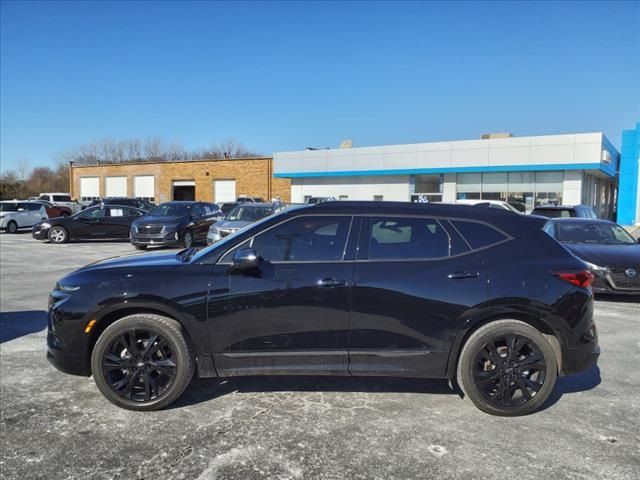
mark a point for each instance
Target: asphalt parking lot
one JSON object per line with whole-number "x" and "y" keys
{"x": 57, "y": 426}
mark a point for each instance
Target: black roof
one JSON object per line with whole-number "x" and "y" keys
{"x": 558, "y": 207}
{"x": 580, "y": 220}
{"x": 506, "y": 220}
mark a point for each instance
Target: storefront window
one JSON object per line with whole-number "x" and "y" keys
{"x": 523, "y": 190}
{"x": 427, "y": 188}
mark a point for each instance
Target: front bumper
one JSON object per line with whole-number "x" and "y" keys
{"x": 40, "y": 233}
{"x": 161, "y": 240}
{"x": 606, "y": 284}
{"x": 58, "y": 350}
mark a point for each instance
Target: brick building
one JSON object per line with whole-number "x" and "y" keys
{"x": 204, "y": 180}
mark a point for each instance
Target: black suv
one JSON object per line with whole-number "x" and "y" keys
{"x": 174, "y": 224}
{"x": 564, "y": 211}
{"x": 339, "y": 288}
{"x": 125, "y": 202}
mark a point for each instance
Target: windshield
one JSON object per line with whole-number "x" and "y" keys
{"x": 171, "y": 210}
{"x": 247, "y": 213}
{"x": 601, "y": 233}
{"x": 8, "y": 207}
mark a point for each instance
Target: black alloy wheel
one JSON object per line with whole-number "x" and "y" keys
{"x": 139, "y": 365}
{"x": 507, "y": 367}
{"x": 509, "y": 371}
{"x": 142, "y": 362}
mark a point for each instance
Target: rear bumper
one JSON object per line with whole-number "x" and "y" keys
{"x": 579, "y": 360}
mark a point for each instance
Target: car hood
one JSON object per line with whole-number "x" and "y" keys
{"x": 149, "y": 219}
{"x": 607, "y": 255}
{"x": 231, "y": 224}
{"x": 135, "y": 261}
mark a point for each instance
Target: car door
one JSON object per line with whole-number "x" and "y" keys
{"x": 117, "y": 221}
{"x": 415, "y": 279}
{"x": 89, "y": 224}
{"x": 291, "y": 314}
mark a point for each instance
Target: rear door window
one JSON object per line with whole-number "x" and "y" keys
{"x": 478, "y": 235}
{"x": 61, "y": 198}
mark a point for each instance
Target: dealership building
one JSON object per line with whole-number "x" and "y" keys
{"x": 204, "y": 180}
{"x": 561, "y": 169}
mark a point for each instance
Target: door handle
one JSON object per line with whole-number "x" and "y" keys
{"x": 463, "y": 275}
{"x": 330, "y": 282}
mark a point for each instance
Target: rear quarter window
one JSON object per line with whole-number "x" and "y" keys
{"x": 478, "y": 235}
{"x": 61, "y": 198}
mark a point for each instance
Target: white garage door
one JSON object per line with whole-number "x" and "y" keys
{"x": 224, "y": 191}
{"x": 144, "y": 186}
{"x": 116, "y": 186}
{"x": 89, "y": 188}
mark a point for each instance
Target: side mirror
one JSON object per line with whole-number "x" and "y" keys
{"x": 245, "y": 259}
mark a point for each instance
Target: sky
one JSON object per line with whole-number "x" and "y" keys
{"x": 285, "y": 76}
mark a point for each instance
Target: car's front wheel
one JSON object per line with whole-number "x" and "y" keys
{"x": 508, "y": 368}
{"x": 187, "y": 239}
{"x": 12, "y": 227}
{"x": 142, "y": 362}
{"x": 58, "y": 235}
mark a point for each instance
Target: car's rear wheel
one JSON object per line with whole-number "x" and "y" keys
{"x": 508, "y": 368}
{"x": 142, "y": 362}
{"x": 187, "y": 239}
{"x": 12, "y": 227}
{"x": 58, "y": 235}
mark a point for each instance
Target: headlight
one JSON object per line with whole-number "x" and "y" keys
{"x": 67, "y": 288}
{"x": 597, "y": 269}
{"x": 45, "y": 225}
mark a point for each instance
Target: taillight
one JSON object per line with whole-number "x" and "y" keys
{"x": 582, "y": 279}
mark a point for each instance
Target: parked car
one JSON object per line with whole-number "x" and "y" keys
{"x": 60, "y": 199}
{"x": 226, "y": 207}
{"x": 611, "y": 253}
{"x": 341, "y": 288}
{"x": 489, "y": 204}
{"x": 314, "y": 200}
{"x": 175, "y": 224}
{"x": 564, "y": 211}
{"x": 242, "y": 215}
{"x": 145, "y": 205}
{"x": 99, "y": 222}
{"x": 15, "y": 215}
{"x": 248, "y": 199}
{"x": 54, "y": 211}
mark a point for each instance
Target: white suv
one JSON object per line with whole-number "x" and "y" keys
{"x": 15, "y": 215}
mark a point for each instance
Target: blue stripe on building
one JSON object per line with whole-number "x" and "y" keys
{"x": 606, "y": 168}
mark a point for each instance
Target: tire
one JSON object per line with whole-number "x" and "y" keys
{"x": 187, "y": 239}
{"x": 138, "y": 385}
{"x": 12, "y": 227}
{"x": 64, "y": 214}
{"x": 58, "y": 234}
{"x": 505, "y": 384}
{"x": 140, "y": 247}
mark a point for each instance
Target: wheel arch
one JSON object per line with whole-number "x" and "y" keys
{"x": 554, "y": 337}
{"x": 110, "y": 315}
